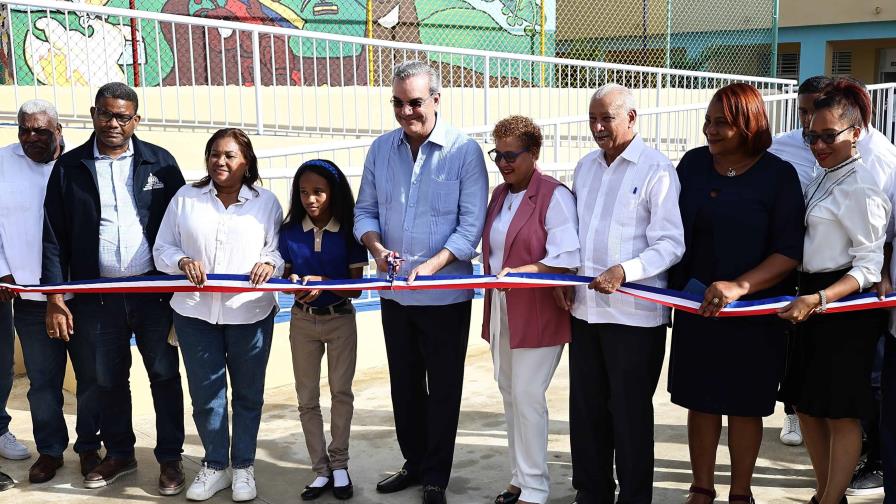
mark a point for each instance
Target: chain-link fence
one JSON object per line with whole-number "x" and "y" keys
{"x": 724, "y": 36}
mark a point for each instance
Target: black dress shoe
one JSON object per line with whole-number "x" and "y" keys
{"x": 397, "y": 482}
{"x": 6, "y": 482}
{"x": 344, "y": 492}
{"x": 434, "y": 495}
{"x": 507, "y": 497}
{"x": 313, "y": 492}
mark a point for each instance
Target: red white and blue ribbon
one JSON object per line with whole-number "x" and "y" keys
{"x": 233, "y": 284}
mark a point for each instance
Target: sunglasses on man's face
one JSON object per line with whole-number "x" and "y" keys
{"x": 508, "y": 156}
{"x": 827, "y": 138}
{"x": 415, "y": 104}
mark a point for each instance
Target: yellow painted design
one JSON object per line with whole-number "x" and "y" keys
{"x": 287, "y": 13}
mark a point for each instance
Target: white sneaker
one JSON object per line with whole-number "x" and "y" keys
{"x": 208, "y": 482}
{"x": 790, "y": 432}
{"x": 243, "y": 484}
{"x": 12, "y": 449}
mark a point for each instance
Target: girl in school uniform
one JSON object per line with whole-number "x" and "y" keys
{"x": 316, "y": 243}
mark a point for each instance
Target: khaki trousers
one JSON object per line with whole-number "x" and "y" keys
{"x": 310, "y": 336}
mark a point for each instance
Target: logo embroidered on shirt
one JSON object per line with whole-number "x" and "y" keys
{"x": 153, "y": 182}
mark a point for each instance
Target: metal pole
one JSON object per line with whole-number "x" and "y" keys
{"x": 774, "y": 62}
{"x": 135, "y": 51}
{"x": 542, "y": 42}
{"x": 256, "y": 71}
{"x": 645, "y": 12}
{"x": 668, "y": 34}
{"x": 370, "y": 48}
{"x": 486, "y": 87}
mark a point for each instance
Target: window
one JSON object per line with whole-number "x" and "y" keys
{"x": 841, "y": 63}
{"x": 788, "y": 66}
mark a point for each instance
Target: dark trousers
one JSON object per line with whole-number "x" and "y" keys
{"x": 871, "y": 426}
{"x": 111, "y": 319}
{"x": 7, "y": 348}
{"x": 45, "y": 361}
{"x": 613, "y": 373}
{"x": 888, "y": 419}
{"x": 426, "y": 347}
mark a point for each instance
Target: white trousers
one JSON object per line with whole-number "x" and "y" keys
{"x": 523, "y": 376}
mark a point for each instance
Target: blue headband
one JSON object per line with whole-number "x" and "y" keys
{"x": 320, "y": 163}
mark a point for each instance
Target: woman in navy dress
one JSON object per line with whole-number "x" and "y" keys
{"x": 742, "y": 211}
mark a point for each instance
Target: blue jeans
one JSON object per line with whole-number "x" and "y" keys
{"x": 45, "y": 364}
{"x": 211, "y": 352}
{"x": 110, "y": 320}
{"x": 7, "y": 349}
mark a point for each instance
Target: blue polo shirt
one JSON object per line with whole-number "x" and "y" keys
{"x": 327, "y": 252}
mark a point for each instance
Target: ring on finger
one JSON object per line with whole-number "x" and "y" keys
{"x": 715, "y": 301}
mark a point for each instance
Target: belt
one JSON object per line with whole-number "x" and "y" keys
{"x": 343, "y": 307}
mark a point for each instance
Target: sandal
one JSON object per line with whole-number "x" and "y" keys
{"x": 741, "y": 498}
{"x": 703, "y": 491}
{"x": 507, "y": 497}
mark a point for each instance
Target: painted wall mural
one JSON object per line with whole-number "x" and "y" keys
{"x": 70, "y": 48}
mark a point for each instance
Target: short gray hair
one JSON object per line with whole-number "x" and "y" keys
{"x": 628, "y": 98}
{"x": 412, "y": 68}
{"x": 32, "y": 107}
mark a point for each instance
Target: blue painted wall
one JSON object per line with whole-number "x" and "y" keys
{"x": 813, "y": 40}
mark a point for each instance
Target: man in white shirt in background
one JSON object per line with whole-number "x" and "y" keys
{"x": 879, "y": 157}
{"x": 24, "y": 169}
{"x": 630, "y": 230}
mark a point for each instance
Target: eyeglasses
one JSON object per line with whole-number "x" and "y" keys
{"x": 827, "y": 138}
{"x": 415, "y": 104}
{"x": 106, "y": 116}
{"x": 508, "y": 156}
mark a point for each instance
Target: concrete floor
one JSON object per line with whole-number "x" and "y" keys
{"x": 480, "y": 463}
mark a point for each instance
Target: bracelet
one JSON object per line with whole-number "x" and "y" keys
{"x": 182, "y": 259}
{"x": 823, "y": 297}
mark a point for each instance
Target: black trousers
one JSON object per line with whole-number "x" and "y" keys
{"x": 613, "y": 373}
{"x": 426, "y": 347}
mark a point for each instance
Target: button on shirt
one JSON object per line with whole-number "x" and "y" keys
{"x": 124, "y": 250}
{"x": 225, "y": 240}
{"x": 422, "y": 206}
{"x": 628, "y": 214}
{"x": 23, "y": 185}
{"x": 326, "y": 252}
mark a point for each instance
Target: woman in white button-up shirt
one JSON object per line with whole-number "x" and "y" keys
{"x": 224, "y": 224}
{"x": 829, "y": 364}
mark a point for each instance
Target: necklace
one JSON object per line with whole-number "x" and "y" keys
{"x": 511, "y": 199}
{"x": 732, "y": 172}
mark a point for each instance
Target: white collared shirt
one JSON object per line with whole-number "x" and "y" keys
{"x": 332, "y": 226}
{"x": 225, "y": 240}
{"x": 124, "y": 250}
{"x": 791, "y": 147}
{"x": 846, "y": 221}
{"x": 560, "y": 221}
{"x": 628, "y": 215}
{"x": 23, "y": 186}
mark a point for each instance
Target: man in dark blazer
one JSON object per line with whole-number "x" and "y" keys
{"x": 105, "y": 201}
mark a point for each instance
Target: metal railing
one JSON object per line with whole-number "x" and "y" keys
{"x": 206, "y": 73}
{"x": 671, "y": 130}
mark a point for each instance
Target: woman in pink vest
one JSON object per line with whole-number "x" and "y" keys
{"x": 530, "y": 227}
